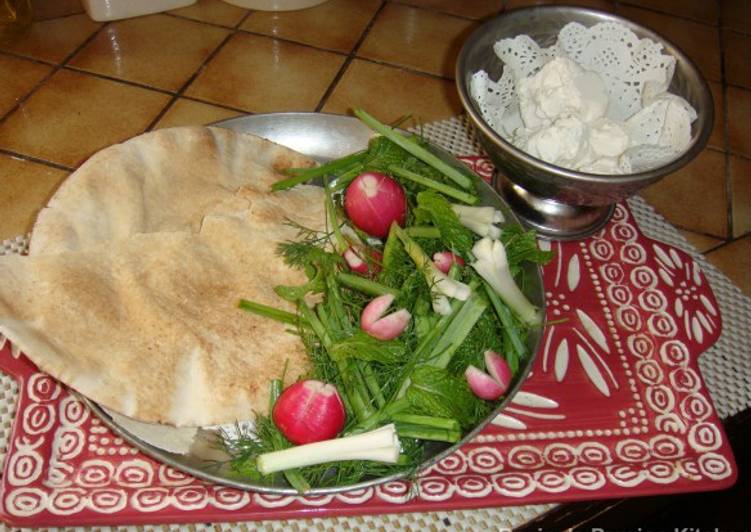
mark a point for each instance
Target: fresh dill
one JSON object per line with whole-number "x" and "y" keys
{"x": 415, "y": 381}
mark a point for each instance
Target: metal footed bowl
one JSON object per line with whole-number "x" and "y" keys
{"x": 560, "y": 203}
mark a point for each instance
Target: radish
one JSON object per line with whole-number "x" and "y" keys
{"x": 355, "y": 262}
{"x": 373, "y": 201}
{"x": 443, "y": 260}
{"x": 489, "y": 387}
{"x": 309, "y": 411}
{"x": 482, "y": 384}
{"x": 498, "y": 369}
{"x": 374, "y": 323}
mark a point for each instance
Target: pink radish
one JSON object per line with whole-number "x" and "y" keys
{"x": 443, "y": 260}
{"x": 374, "y": 323}
{"x": 357, "y": 264}
{"x": 309, "y": 411}
{"x": 489, "y": 387}
{"x": 498, "y": 369}
{"x": 373, "y": 201}
{"x": 482, "y": 384}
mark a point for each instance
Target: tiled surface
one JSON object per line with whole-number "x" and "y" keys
{"x": 72, "y": 86}
{"x": 336, "y": 25}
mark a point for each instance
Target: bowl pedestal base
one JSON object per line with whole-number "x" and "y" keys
{"x": 552, "y": 219}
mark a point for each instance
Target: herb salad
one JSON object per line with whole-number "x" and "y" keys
{"x": 404, "y": 232}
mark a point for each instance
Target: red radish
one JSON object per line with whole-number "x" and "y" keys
{"x": 357, "y": 264}
{"x": 498, "y": 369}
{"x": 443, "y": 260}
{"x": 482, "y": 384}
{"x": 374, "y": 323}
{"x": 373, "y": 201}
{"x": 309, "y": 411}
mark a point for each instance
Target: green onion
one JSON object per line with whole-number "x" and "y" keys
{"x": 448, "y": 190}
{"x": 269, "y": 312}
{"x": 366, "y": 286}
{"x": 303, "y": 175}
{"x": 415, "y": 149}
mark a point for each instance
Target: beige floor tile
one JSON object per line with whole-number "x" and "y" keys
{"x": 694, "y": 197}
{"x": 190, "y": 113}
{"x": 334, "y": 25}
{"x": 702, "y": 243}
{"x": 475, "y": 9}
{"x": 740, "y": 184}
{"x": 717, "y": 138}
{"x": 416, "y": 38}
{"x": 19, "y": 77}
{"x": 701, "y": 42}
{"x": 213, "y": 12}
{"x": 736, "y": 14}
{"x": 26, "y": 188}
{"x": 602, "y": 5}
{"x": 734, "y": 260}
{"x": 73, "y": 115}
{"x": 53, "y": 40}
{"x": 701, "y": 10}
{"x": 737, "y": 67}
{"x": 389, "y": 93}
{"x": 260, "y": 74}
{"x": 156, "y": 50}
{"x": 739, "y": 120}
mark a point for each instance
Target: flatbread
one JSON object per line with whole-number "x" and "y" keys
{"x": 166, "y": 180}
{"x": 137, "y": 309}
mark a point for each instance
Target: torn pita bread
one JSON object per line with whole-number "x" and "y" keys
{"x": 166, "y": 180}
{"x": 130, "y": 291}
{"x": 149, "y": 326}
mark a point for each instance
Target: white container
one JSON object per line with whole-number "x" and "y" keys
{"x": 275, "y": 5}
{"x": 103, "y": 10}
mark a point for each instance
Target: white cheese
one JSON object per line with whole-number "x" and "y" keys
{"x": 563, "y": 109}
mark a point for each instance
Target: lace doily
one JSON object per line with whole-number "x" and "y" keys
{"x": 636, "y": 75}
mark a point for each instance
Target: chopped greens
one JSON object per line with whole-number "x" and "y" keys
{"x": 415, "y": 381}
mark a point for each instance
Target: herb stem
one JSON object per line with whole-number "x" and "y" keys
{"x": 423, "y": 231}
{"x": 304, "y": 175}
{"x": 429, "y": 421}
{"x": 266, "y": 311}
{"x": 427, "y": 182}
{"x": 366, "y": 286}
{"x": 518, "y": 350}
{"x": 422, "y": 432}
{"x": 415, "y": 149}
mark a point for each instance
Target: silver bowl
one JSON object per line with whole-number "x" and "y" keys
{"x": 560, "y": 203}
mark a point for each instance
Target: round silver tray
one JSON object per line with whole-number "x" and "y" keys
{"x": 323, "y": 137}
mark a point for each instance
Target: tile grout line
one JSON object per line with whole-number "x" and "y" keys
{"x": 30, "y": 158}
{"x": 197, "y": 72}
{"x": 138, "y": 84}
{"x": 725, "y": 128}
{"x": 348, "y": 61}
{"x": 56, "y": 67}
{"x": 621, "y": 3}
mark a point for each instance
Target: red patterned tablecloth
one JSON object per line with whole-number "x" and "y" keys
{"x": 615, "y": 406}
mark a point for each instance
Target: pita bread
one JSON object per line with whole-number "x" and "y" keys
{"x": 139, "y": 312}
{"x": 166, "y": 180}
